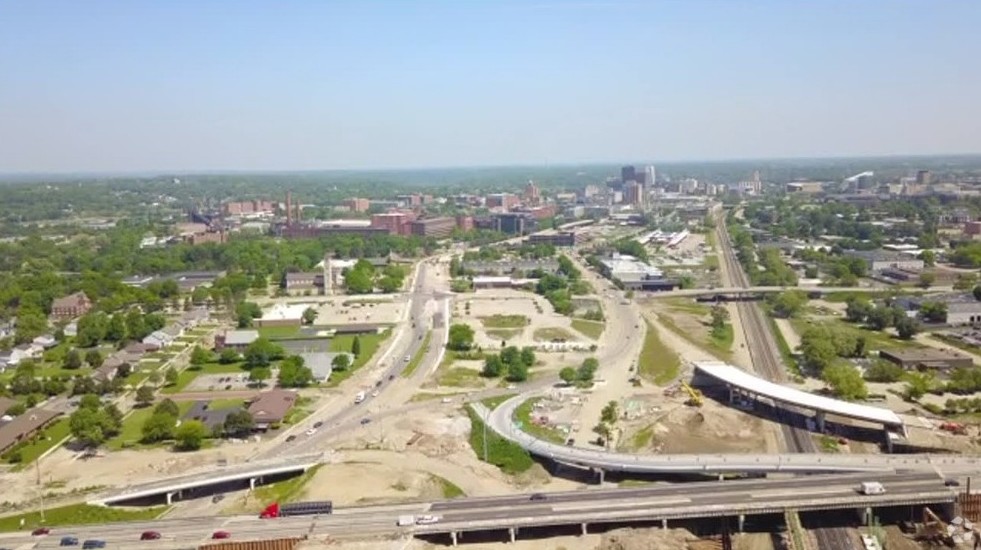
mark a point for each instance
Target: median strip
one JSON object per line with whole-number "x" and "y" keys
{"x": 417, "y": 358}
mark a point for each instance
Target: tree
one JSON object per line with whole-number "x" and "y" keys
{"x": 228, "y": 356}
{"x": 135, "y": 325}
{"x": 158, "y": 427}
{"x": 880, "y": 318}
{"x": 493, "y": 366}
{"x": 610, "y": 413}
{"x": 907, "y": 327}
{"x": 857, "y": 310}
{"x": 190, "y": 435}
{"x": 92, "y": 329}
{"x": 568, "y": 375}
{"x": 588, "y": 369}
{"x": 817, "y": 353}
{"x": 605, "y": 432}
{"x": 966, "y": 281}
{"x": 934, "y": 312}
{"x": 245, "y": 312}
{"x": 200, "y": 356}
{"x": 116, "y": 330}
{"x": 845, "y": 381}
{"x": 82, "y": 385}
{"x": 884, "y": 371}
{"x": 238, "y": 423}
{"x": 517, "y": 372}
{"x": 309, "y": 316}
{"x": 719, "y": 317}
{"x": 358, "y": 281}
{"x": 788, "y": 303}
{"x": 929, "y": 258}
{"x": 89, "y": 401}
{"x": 93, "y": 358}
{"x": 528, "y": 356}
{"x": 977, "y": 293}
{"x": 341, "y": 362}
{"x": 293, "y": 373}
{"x": 144, "y": 395}
{"x": 460, "y": 337}
{"x": 510, "y": 355}
{"x": 167, "y": 406}
{"x": 927, "y": 279}
{"x": 91, "y": 427}
{"x": 170, "y": 376}
{"x": 73, "y": 360}
{"x": 154, "y": 378}
{"x": 356, "y": 346}
{"x": 917, "y": 385}
{"x": 261, "y": 353}
{"x": 258, "y": 375}
{"x": 31, "y": 323}
{"x": 388, "y": 285}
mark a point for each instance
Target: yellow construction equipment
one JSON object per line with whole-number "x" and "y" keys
{"x": 694, "y": 395}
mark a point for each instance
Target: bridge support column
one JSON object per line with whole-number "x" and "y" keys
{"x": 867, "y": 516}
{"x": 819, "y": 418}
{"x": 741, "y": 521}
{"x": 584, "y": 531}
{"x": 664, "y": 524}
{"x": 453, "y": 537}
{"x": 512, "y": 533}
{"x": 252, "y": 484}
{"x": 888, "y": 441}
{"x": 601, "y": 474}
{"x": 170, "y": 498}
{"x": 733, "y": 392}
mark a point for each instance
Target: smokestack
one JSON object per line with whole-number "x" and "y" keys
{"x": 289, "y": 208}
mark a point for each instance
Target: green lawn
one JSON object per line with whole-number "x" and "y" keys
{"x": 874, "y": 339}
{"x": 522, "y": 415}
{"x": 689, "y": 306}
{"x": 786, "y": 353}
{"x": 369, "y": 346}
{"x": 504, "y": 333}
{"x": 641, "y": 439}
{"x": 548, "y": 334}
{"x": 45, "y": 370}
{"x": 222, "y": 404}
{"x": 657, "y": 362}
{"x": 507, "y": 456}
{"x": 505, "y": 321}
{"x": 51, "y": 436}
{"x": 590, "y": 329}
{"x": 492, "y": 402}
{"x": 449, "y": 489}
{"x": 417, "y": 358}
{"x": 79, "y": 514}
{"x": 279, "y": 332}
{"x": 132, "y": 431}
{"x": 721, "y": 340}
{"x": 460, "y": 377}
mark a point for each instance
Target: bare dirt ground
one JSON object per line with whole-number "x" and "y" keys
{"x": 712, "y": 428}
{"x": 490, "y": 302}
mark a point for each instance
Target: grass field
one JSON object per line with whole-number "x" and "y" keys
{"x": 874, "y": 339}
{"x": 688, "y": 306}
{"x": 548, "y": 334}
{"x": 51, "y": 436}
{"x": 460, "y": 377}
{"x": 786, "y": 353}
{"x": 522, "y": 415}
{"x": 132, "y": 431}
{"x": 657, "y": 362}
{"x": 369, "y": 346}
{"x": 79, "y": 514}
{"x": 721, "y": 340}
{"x": 505, "y": 321}
{"x": 449, "y": 489}
{"x": 500, "y": 452}
{"x": 492, "y": 402}
{"x": 279, "y": 332}
{"x": 504, "y": 333}
{"x": 590, "y": 329}
{"x": 641, "y": 440}
{"x": 417, "y": 358}
{"x": 289, "y": 490}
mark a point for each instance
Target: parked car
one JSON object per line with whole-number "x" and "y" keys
{"x": 318, "y": 424}
{"x": 93, "y": 543}
{"x": 538, "y": 497}
{"x": 150, "y": 535}
{"x": 365, "y": 421}
{"x": 221, "y": 535}
{"x": 41, "y": 531}
{"x": 290, "y": 437}
{"x": 68, "y": 541}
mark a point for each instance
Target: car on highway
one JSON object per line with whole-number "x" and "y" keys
{"x": 538, "y": 497}
{"x": 318, "y": 424}
{"x": 290, "y": 437}
{"x": 93, "y": 543}
{"x": 221, "y": 535}
{"x": 374, "y": 393}
{"x": 427, "y": 520}
{"x": 41, "y": 531}
{"x": 68, "y": 541}
{"x": 951, "y": 483}
{"x": 406, "y": 359}
{"x": 378, "y": 383}
{"x": 365, "y": 421}
{"x": 150, "y": 535}
{"x": 391, "y": 377}
{"x": 311, "y": 431}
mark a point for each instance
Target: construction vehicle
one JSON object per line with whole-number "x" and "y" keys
{"x": 694, "y": 395}
{"x": 312, "y": 508}
{"x": 954, "y": 428}
{"x": 935, "y": 530}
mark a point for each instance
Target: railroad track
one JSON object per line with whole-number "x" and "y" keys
{"x": 766, "y": 359}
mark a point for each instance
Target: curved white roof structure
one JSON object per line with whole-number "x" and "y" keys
{"x": 734, "y": 376}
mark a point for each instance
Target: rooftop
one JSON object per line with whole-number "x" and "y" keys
{"x": 281, "y": 312}
{"x": 271, "y": 406}
{"x": 20, "y": 427}
{"x": 924, "y": 355}
{"x": 240, "y": 337}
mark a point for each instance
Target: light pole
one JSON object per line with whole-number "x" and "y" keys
{"x": 486, "y": 416}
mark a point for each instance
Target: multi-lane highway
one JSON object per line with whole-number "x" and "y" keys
{"x": 657, "y": 502}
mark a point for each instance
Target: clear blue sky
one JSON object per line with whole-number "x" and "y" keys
{"x": 206, "y": 85}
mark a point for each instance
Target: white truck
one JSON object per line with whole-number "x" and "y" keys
{"x": 359, "y": 397}
{"x": 405, "y": 521}
{"x": 871, "y": 488}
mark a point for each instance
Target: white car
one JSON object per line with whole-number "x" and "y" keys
{"x": 406, "y": 359}
{"x": 374, "y": 393}
{"x": 311, "y": 431}
{"x": 427, "y": 520}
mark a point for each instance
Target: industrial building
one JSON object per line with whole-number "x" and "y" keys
{"x": 878, "y": 260}
{"x": 927, "y": 359}
{"x": 564, "y": 238}
{"x": 635, "y": 275}
{"x": 433, "y": 227}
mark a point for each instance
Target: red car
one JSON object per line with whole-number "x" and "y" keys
{"x": 150, "y": 535}
{"x": 41, "y": 531}
{"x": 221, "y": 535}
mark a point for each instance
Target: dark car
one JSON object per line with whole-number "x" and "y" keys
{"x": 150, "y": 535}
{"x": 217, "y": 498}
{"x": 69, "y": 541}
{"x": 41, "y": 531}
{"x": 365, "y": 421}
{"x": 290, "y": 438}
{"x": 93, "y": 543}
{"x": 378, "y": 383}
{"x": 318, "y": 424}
{"x": 538, "y": 496}
{"x": 952, "y": 483}
{"x": 221, "y": 535}
{"x": 391, "y": 377}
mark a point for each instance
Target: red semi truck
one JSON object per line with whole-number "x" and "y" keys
{"x": 313, "y": 508}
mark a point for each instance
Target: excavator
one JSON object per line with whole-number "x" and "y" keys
{"x": 694, "y": 395}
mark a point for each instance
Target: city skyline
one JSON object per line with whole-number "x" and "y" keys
{"x": 136, "y": 87}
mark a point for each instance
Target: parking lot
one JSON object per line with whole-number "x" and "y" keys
{"x": 214, "y": 382}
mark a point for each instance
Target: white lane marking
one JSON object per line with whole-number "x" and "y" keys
{"x": 593, "y": 505}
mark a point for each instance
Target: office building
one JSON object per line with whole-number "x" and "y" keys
{"x": 433, "y": 227}
{"x": 628, "y": 173}
{"x": 507, "y": 201}
{"x": 518, "y": 223}
{"x": 357, "y": 205}
{"x": 532, "y": 195}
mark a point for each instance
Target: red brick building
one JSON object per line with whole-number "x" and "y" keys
{"x": 71, "y": 306}
{"x": 355, "y": 204}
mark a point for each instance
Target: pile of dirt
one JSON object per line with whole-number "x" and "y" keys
{"x": 709, "y": 429}
{"x": 646, "y": 539}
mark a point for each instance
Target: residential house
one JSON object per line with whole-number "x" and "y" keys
{"x": 165, "y": 336}
{"x": 71, "y": 329}
{"x": 195, "y": 317}
{"x": 271, "y": 407}
{"x": 213, "y": 419}
{"x": 73, "y": 305}
{"x": 46, "y": 341}
{"x": 24, "y": 426}
{"x": 236, "y": 339}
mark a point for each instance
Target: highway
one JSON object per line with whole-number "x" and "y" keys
{"x": 656, "y": 502}
{"x": 747, "y": 289}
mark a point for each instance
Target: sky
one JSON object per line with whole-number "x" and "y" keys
{"x": 186, "y": 85}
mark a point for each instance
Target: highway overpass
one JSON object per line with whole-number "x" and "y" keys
{"x": 661, "y": 504}
{"x": 500, "y": 421}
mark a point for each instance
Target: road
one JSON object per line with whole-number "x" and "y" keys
{"x": 746, "y": 288}
{"x": 689, "y": 500}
